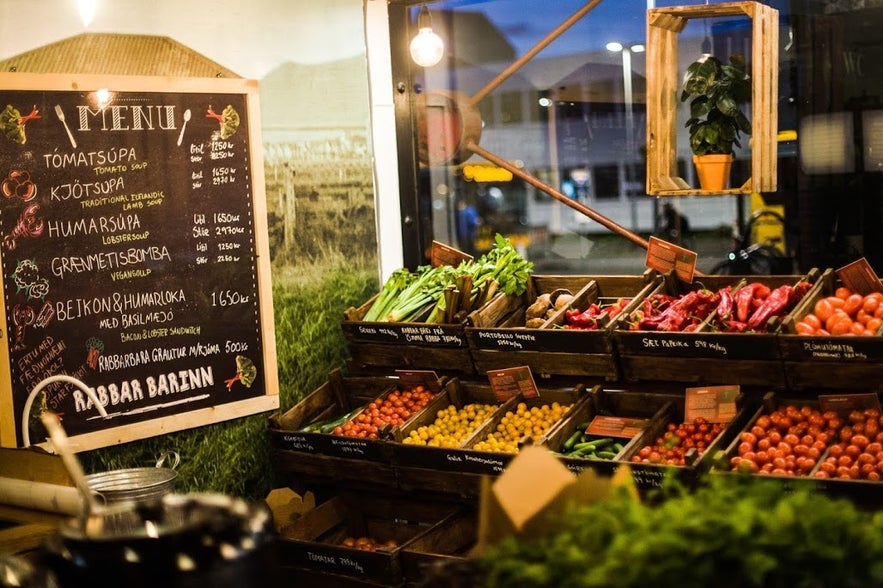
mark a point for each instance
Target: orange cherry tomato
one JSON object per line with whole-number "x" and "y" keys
{"x": 853, "y": 304}
{"x": 842, "y": 326}
{"x": 857, "y": 328}
{"x": 870, "y": 304}
{"x": 813, "y": 321}
{"x": 874, "y": 325}
{"x": 804, "y": 328}
{"x": 836, "y": 302}
{"x": 837, "y": 316}
{"x": 862, "y": 317}
{"x": 842, "y": 292}
{"x": 823, "y": 309}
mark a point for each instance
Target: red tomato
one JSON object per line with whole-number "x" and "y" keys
{"x": 842, "y": 292}
{"x": 823, "y": 309}
{"x": 836, "y": 302}
{"x": 804, "y": 328}
{"x": 840, "y": 324}
{"x": 853, "y": 304}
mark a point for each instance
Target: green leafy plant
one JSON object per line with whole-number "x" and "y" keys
{"x": 716, "y": 91}
{"x": 732, "y": 531}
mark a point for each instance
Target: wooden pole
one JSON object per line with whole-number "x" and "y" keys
{"x": 576, "y": 205}
{"x": 513, "y": 67}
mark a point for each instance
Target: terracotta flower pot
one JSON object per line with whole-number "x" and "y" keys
{"x": 713, "y": 170}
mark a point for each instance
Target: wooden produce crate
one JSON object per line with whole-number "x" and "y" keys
{"x": 635, "y": 410}
{"x": 550, "y": 350}
{"x": 704, "y": 356}
{"x": 862, "y": 492}
{"x": 318, "y": 539}
{"x": 324, "y": 455}
{"x": 651, "y": 475}
{"x": 442, "y": 546}
{"x": 422, "y": 467}
{"x": 381, "y": 346}
{"x": 828, "y": 361}
{"x": 459, "y": 470}
{"x": 664, "y": 26}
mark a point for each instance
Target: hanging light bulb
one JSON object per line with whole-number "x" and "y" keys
{"x": 87, "y": 9}
{"x": 427, "y": 48}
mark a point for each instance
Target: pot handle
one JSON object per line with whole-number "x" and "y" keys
{"x": 172, "y": 456}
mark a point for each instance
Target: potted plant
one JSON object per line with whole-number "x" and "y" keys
{"x": 716, "y": 91}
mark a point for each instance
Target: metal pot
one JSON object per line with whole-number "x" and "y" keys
{"x": 139, "y": 485}
{"x": 182, "y": 541}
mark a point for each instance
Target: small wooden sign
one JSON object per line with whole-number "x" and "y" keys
{"x": 667, "y": 257}
{"x": 716, "y": 404}
{"x": 610, "y": 426}
{"x": 442, "y": 254}
{"x": 860, "y": 277}
{"x": 411, "y": 379}
{"x": 509, "y": 382}
{"x": 845, "y": 403}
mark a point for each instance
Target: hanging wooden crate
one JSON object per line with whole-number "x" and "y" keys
{"x": 663, "y": 95}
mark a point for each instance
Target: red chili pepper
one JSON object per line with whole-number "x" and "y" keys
{"x": 800, "y": 290}
{"x": 676, "y": 316}
{"x": 706, "y": 302}
{"x": 725, "y": 308}
{"x": 776, "y": 303}
{"x": 743, "y": 299}
{"x": 736, "y": 327}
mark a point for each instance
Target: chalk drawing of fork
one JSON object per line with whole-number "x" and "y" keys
{"x": 60, "y": 114}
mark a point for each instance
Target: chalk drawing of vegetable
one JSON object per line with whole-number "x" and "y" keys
{"x": 228, "y": 119}
{"x": 27, "y": 278}
{"x": 94, "y": 347}
{"x": 18, "y": 184}
{"x": 12, "y": 123}
{"x": 246, "y": 372}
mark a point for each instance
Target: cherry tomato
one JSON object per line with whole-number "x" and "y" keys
{"x": 853, "y": 304}
{"x": 823, "y": 309}
{"x": 804, "y": 328}
{"x": 842, "y": 292}
{"x": 813, "y": 321}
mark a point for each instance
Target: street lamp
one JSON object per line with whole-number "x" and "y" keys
{"x": 626, "y": 53}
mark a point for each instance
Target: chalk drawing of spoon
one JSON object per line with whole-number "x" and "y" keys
{"x": 60, "y": 115}
{"x": 184, "y": 126}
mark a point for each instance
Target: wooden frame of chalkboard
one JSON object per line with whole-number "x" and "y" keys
{"x": 134, "y": 256}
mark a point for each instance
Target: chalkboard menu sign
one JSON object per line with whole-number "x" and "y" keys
{"x": 134, "y": 256}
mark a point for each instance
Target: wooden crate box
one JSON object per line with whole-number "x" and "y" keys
{"x": 312, "y": 453}
{"x": 459, "y": 470}
{"x": 828, "y": 361}
{"x": 318, "y": 540}
{"x": 444, "y": 545}
{"x": 663, "y": 94}
{"x": 380, "y": 346}
{"x": 552, "y": 351}
{"x": 704, "y": 356}
{"x": 860, "y": 491}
